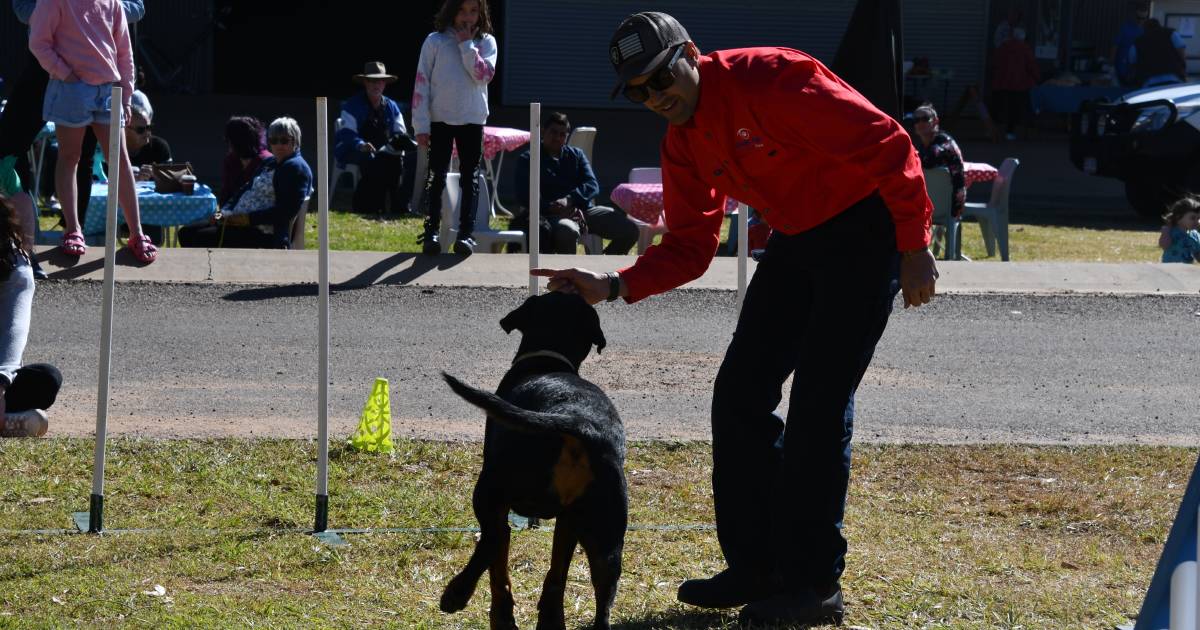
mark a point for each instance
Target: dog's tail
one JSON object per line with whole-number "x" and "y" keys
{"x": 517, "y": 418}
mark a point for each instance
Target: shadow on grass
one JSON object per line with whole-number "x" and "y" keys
{"x": 420, "y": 265}
{"x": 676, "y": 619}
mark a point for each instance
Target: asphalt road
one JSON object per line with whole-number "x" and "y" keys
{"x": 219, "y": 360}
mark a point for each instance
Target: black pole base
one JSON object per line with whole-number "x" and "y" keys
{"x": 321, "y": 526}
{"x": 322, "y": 521}
{"x": 91, "y": 521}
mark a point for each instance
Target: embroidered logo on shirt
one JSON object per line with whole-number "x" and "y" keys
{"x": 747, "y": 140}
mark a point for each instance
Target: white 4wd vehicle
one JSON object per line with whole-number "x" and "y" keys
{"x": 1149, "y": 139}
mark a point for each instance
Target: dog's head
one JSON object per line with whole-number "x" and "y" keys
{"x": 558, "y": 322}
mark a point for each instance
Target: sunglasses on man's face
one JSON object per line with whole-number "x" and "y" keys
{"x": 922, "y": 118}
{"x": 662, "y": 79}
{"x": 142, "y": 130}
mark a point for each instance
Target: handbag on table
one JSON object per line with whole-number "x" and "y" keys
{"x": 168, "y": 178}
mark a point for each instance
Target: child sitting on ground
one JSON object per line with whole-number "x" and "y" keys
{"x": 1181, "y": 222}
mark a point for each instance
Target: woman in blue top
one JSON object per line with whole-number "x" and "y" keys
{"x": 1180, "y": 238}
{"x": 260, "y": 215}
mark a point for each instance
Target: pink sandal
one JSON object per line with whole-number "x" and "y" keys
{"x": 143, "y": 248}
{"x": 73, "y": 244}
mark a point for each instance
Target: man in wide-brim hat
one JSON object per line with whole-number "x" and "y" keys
{"x": 371, "y": 134}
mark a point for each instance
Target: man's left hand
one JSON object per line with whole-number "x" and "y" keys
{"x": 918, "y": 277}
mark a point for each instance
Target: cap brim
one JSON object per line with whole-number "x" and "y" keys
{"x": 636, "y": 70}
{"x": 386, "y": 77}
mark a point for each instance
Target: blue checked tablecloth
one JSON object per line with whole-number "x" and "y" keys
{"x": 173, "y": 209}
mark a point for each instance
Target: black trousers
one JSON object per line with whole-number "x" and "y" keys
{"x": 815, "y": 309}
{"x": 380, "y": 177}
{"x": 1014, "y": 106}
{"x": 469, "y": 140}
{"x": 560, "y": 235}
{"x": 240, "y": 236}
{"x": 35, "y": 387}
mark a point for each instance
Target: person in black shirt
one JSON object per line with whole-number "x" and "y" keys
{"x": 145, "y": 148}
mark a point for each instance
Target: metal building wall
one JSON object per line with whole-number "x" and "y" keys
{"x": 555, "y": 51}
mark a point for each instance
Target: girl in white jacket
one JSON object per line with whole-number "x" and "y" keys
{"x": 450, "y": 104}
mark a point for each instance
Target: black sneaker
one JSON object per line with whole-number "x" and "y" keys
{"x": 464, "y": 246}
{"x": 38, "y": 272}
{"x": 803, "y": 609}
{"x": 429, "y": 243}
{"x": 727, "y": 589}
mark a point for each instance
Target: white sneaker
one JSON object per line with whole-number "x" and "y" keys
{"x": 30, "y": 423}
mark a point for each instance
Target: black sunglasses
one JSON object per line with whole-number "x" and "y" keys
{"x": 662, "y": 79}
{"x": 922, "y": 118}
{"x": 141, "y": 130}
{"x": 279, "y": 140}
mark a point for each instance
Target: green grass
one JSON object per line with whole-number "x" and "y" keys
{"x": 351, "y": 231}
{"x": 940, "y": 536}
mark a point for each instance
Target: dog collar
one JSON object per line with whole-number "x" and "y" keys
{"x": 544, "y": 353}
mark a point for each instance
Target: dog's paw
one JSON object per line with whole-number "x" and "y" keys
{"x": 551, "y": 621}
{"x": 456, "y": 595}
{"x": 502, "y": 621}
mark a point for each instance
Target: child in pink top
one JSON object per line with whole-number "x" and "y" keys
{"x": 84, "y": 45}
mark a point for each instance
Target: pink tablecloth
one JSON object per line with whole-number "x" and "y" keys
{"x": 497, "y": 139}
{"x": 978, "y": 172}
{"x": 644, "y": 202}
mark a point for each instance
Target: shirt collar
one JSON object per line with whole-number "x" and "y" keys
{"x": 706, "y": 106}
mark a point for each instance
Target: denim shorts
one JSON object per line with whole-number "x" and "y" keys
{"x": 77, "y": 104}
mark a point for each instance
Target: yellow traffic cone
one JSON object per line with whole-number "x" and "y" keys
{"x": 374, "y": 433}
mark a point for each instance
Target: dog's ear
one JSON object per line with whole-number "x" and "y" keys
{"x": 518, "y": 319}
{"x": 597, "y": 333}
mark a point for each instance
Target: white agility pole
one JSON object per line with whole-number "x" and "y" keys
{"x": 116, "y": 134}
{"x": 743, "y": 247}
{"x": 1183, "y": 597}
{"x": 535, "y": 190}
{"x": 321, "y": 523}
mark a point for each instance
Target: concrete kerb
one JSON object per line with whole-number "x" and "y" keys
{"x": 355, "y": 268}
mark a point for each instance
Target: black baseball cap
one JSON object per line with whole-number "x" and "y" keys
{"x": 643, "y": 42}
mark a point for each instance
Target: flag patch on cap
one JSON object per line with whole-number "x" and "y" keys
{"x": 630, "y": 45}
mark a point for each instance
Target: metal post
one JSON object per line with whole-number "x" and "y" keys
{"x": 535, "y": 190}
{"x": 743, "y": 248}
{"x": 116, "y": 135}
{"x": 321, "y": 522}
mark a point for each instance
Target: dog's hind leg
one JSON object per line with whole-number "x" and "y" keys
{"x": 493, "y": 536}
{"x": 501, "y": 613}
{"x": 604, "y": 563}
{"x": 550, "y": 605}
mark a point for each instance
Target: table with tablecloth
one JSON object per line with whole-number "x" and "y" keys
{"x": 975, "y": 172}
{"x": 644, "y": 202}
{"x": 168, "y": 210}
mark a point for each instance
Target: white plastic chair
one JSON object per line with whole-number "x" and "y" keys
{"x": 584, "y": 138}
{"x": 647, "y": 231}
{"x": 297, "y": 233}
{"x": 490, "y": 240}
{"x": 338, "y": 169}
{"x": 941, "y": 193}
{"x": 993, "y": 215}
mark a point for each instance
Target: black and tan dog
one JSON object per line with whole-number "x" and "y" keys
{"x": 554, "y": 447}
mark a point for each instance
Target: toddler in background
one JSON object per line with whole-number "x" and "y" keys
{"x": 1180, "y": 237}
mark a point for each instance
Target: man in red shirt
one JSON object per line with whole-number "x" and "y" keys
{"x": 842, "y": 187}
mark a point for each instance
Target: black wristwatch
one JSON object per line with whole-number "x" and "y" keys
{"x": 614, "y": 286}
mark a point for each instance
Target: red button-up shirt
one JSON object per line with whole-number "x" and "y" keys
{"x": 775, "y": 129}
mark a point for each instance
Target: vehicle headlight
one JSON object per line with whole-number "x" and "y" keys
{"x": 1152, "y": 119}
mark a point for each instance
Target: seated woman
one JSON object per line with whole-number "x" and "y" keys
{"x": 145, "y": 148}
{"x": 25, "y": 390}
{"x": 937, "y": 149}
{"x": 246, "y": 142}
{"x": 260, "y": 215}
